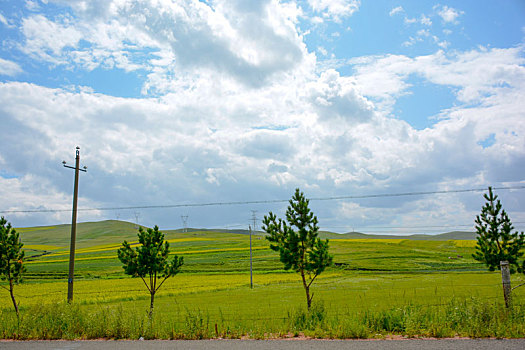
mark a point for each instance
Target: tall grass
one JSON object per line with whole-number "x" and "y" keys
{"x": 467, "y": 317}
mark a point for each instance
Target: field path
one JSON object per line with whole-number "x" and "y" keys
{"x": 292, "y": 344}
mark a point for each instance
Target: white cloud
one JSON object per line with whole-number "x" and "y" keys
{"x": 32, "y": 5}
{"x": 444, "y": 44}
{"x": 250, "y": 43}
{"x": 423, "y": 32}
{"x": 219, "y": 137}
{"x": 407, "y": 20}
{"x": 396, "y": 10}
{"x": 9, "y": 68}
{"x": 449, "y": 14}
{"x": 357, "y": 214}
{"x": 46, "y": 39}
{"x": 243, "y": 111}
{"x": 500, "y": 67}
{"x": 39, "y": 192}
{"x": 411, "y": 41}
{"x": 498, "y": 91}
{"x": 335, "y": 9}
{"x": 425, "y": 20}
{"x": 5, "y": 22}
{"x": 408, "y": 217}
{"x": 316, "y": 20}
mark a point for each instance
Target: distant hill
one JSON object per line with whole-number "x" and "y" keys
{"x": 454, "y": 235}
{"x": 114, "y": 231}
{"x": 236, "y": 231}
{"x": 101, "y": 232}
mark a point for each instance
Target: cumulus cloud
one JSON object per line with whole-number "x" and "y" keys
{"x": 39, "y": 192}
{"x": 246, "y": 42}
{"x": 335, "y": 9}
{"x": 496, "y": 92}
{"x": 425, "y": 20}
{"x": 500, "y": 67}
{"x": 449, "y": 14}
{"x": 331, "y": 135}
{"x": 322, "y": 51}
{"x": 396, "y": 10}
{"x": 9, "y": 68}
{"x": 444, "y": 44}
{"x": 243, "y": 111}
{"x": 6, "y": 22}
{"x": 46, "y": 39}
{"x": 32, "y": 5}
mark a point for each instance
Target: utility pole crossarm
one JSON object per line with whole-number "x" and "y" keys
{"x": 71, "y": 167}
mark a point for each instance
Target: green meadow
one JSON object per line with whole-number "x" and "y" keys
{"x": 412, "y": 286}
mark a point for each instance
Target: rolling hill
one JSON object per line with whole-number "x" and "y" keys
{"x": 112, "y": 231}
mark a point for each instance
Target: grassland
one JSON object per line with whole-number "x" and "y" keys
{"x": 375, "y": 288}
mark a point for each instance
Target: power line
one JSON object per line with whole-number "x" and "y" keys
{"x": 384, "y": 195}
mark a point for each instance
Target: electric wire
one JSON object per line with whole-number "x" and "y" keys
{"x": 269, "y": 201}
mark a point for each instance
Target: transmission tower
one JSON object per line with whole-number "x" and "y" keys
{"x": 254, "y": 220}
{"x": 184, "y": 219}
{"x": 137, "y": 215}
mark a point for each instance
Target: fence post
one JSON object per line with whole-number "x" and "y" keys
{"x": 505, "y": 278}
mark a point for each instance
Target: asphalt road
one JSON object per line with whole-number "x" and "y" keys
{"x": 409, "y": 344}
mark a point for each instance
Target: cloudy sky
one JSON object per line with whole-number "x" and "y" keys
{"x": 182, "y": 102}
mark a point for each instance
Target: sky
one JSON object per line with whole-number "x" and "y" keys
{"x": 196, "y": 102}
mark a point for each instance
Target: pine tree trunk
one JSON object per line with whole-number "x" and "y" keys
{"x": 13, "y": 297}
{"x": 309, "y": 300}
{"x": 151, "y": 304}
{"x": 307, "y": 289}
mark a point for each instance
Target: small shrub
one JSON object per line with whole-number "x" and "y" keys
{"x": 197, "y": 325}
{"x": 301, "y": 320}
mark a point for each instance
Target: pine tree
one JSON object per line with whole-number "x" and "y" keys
{"x": 150, "y": 260}
{"x": 495, "y": 241}
{"x": 301, "y": 249}
{"x": 11, "y": 258}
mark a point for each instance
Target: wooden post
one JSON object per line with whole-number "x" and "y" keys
{"x": 71, "y": 274}
{"x": 505, "y": 278}
{"x": 251, "y": 269}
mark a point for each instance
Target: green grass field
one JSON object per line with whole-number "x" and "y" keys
{"x": 375, "y": 288}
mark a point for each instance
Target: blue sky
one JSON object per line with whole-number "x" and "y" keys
{"x": 177, "y": 102}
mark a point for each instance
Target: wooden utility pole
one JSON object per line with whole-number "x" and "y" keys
{"x": 254, "y": 219}
{"x": 73, "y": 226}
{"x": 505, "y": 278}
{"x": 251, "y": 271}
